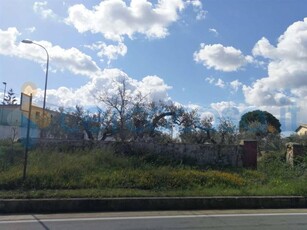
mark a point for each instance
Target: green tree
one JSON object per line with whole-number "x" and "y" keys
{"x": 260, "y": 123}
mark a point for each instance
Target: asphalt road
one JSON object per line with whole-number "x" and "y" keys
{"x": 244, "y": 219}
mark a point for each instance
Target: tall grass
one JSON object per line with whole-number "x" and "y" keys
{"x": 102, "y": 170}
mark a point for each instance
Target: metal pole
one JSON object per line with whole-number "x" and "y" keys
{"x": 46, "y": 77}
{"x": 27, "y": 141}
{"x": 45, "y": 91}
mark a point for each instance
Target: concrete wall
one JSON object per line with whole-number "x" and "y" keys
{"x": 295, "y": 153}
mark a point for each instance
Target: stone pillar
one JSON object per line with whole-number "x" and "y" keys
{"x": 295, "y": 152}
{"x": 249, "y": 153}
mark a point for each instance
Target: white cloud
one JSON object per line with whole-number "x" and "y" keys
{"x": 31, "y": 29}
{"x": 287, "y": 70}
{"x": 111, "y": 52}
{"x": 115, "y": 19}
{"x": 198, "y": 8}
{"x": 230, "y": 109}
{"x": 41, "y": 9}
{"x": 79, "y": 63}
{"x": 220, "y": 83}
{"x": 8, "y": 41}
{"x": 61, "y": 59}
{"x": 214, "y": 31}
{"x": 264, "y": 48}
{"x": 211, "y": 80}
{"x": 235, "y": 85}
{"x": 155, "y": 88}
{"x": 152, "y": 88}
{"x": 221, "y": 58}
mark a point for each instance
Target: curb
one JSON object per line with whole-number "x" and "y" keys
{"x": 9, "y": 206}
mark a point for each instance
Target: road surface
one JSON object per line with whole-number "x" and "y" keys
{"x": 237, "y": 219}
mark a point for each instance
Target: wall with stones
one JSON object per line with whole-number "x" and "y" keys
{"x": 243, "y": 155}
{"x": 295, "y": 153}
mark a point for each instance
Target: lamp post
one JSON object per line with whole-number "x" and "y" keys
{"x": 4, "y": 83}
{"x": 46, "y": 78}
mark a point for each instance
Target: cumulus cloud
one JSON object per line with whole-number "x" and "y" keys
{"x": 78, "y": 63}
{"x": 264, "y": 48}
{"x": 287, "y": 69}
{"x": 115, "y": 19}
{"x": 221, "y": 58}
{"x": 111, "y": 52}
{"x": 62, "y": 59}
{"x": 152, "y": 88}
{"x": 155, "y": 88}
{"x": 41, "y": 9}
{"x": 8, "y": 41}
{"x": 230, "y": 109}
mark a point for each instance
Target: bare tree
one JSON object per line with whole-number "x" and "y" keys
{"x": 129, "y": 114}
{"x": 197, "y": 130}
{"x": 227, "y": 131}
{"x": 10, "y": 98}
{"x": 118, "y": 107}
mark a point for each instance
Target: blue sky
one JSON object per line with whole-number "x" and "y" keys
{"x": 224, "y": 57}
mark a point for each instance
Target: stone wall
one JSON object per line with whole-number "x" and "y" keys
{"x": 210, "y": 155}
{"x": 295, "y": 153}
{"x": 243, "y": 155}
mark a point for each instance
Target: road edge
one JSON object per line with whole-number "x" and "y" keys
{"x": 71, "y": 205}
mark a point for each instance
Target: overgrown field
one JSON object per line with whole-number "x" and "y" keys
{"x": 101, "y": 173}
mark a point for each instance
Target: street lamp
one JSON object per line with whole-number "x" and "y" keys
{"x": 4, "y": 83}
{"x": 46, "y": 79}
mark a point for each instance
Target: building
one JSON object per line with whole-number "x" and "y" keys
{"x": 301, "y": 130}
{"x": 14, "y": 121}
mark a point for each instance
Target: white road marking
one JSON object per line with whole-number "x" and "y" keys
{"x": 150, "y": 217}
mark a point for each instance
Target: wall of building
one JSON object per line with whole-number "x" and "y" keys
{"x": 17, "y": 132}
{"x": 11, "y": 117}
{"x": 302, "y": 131}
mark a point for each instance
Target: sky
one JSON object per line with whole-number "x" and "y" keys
{"x": 222, "y": 57}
